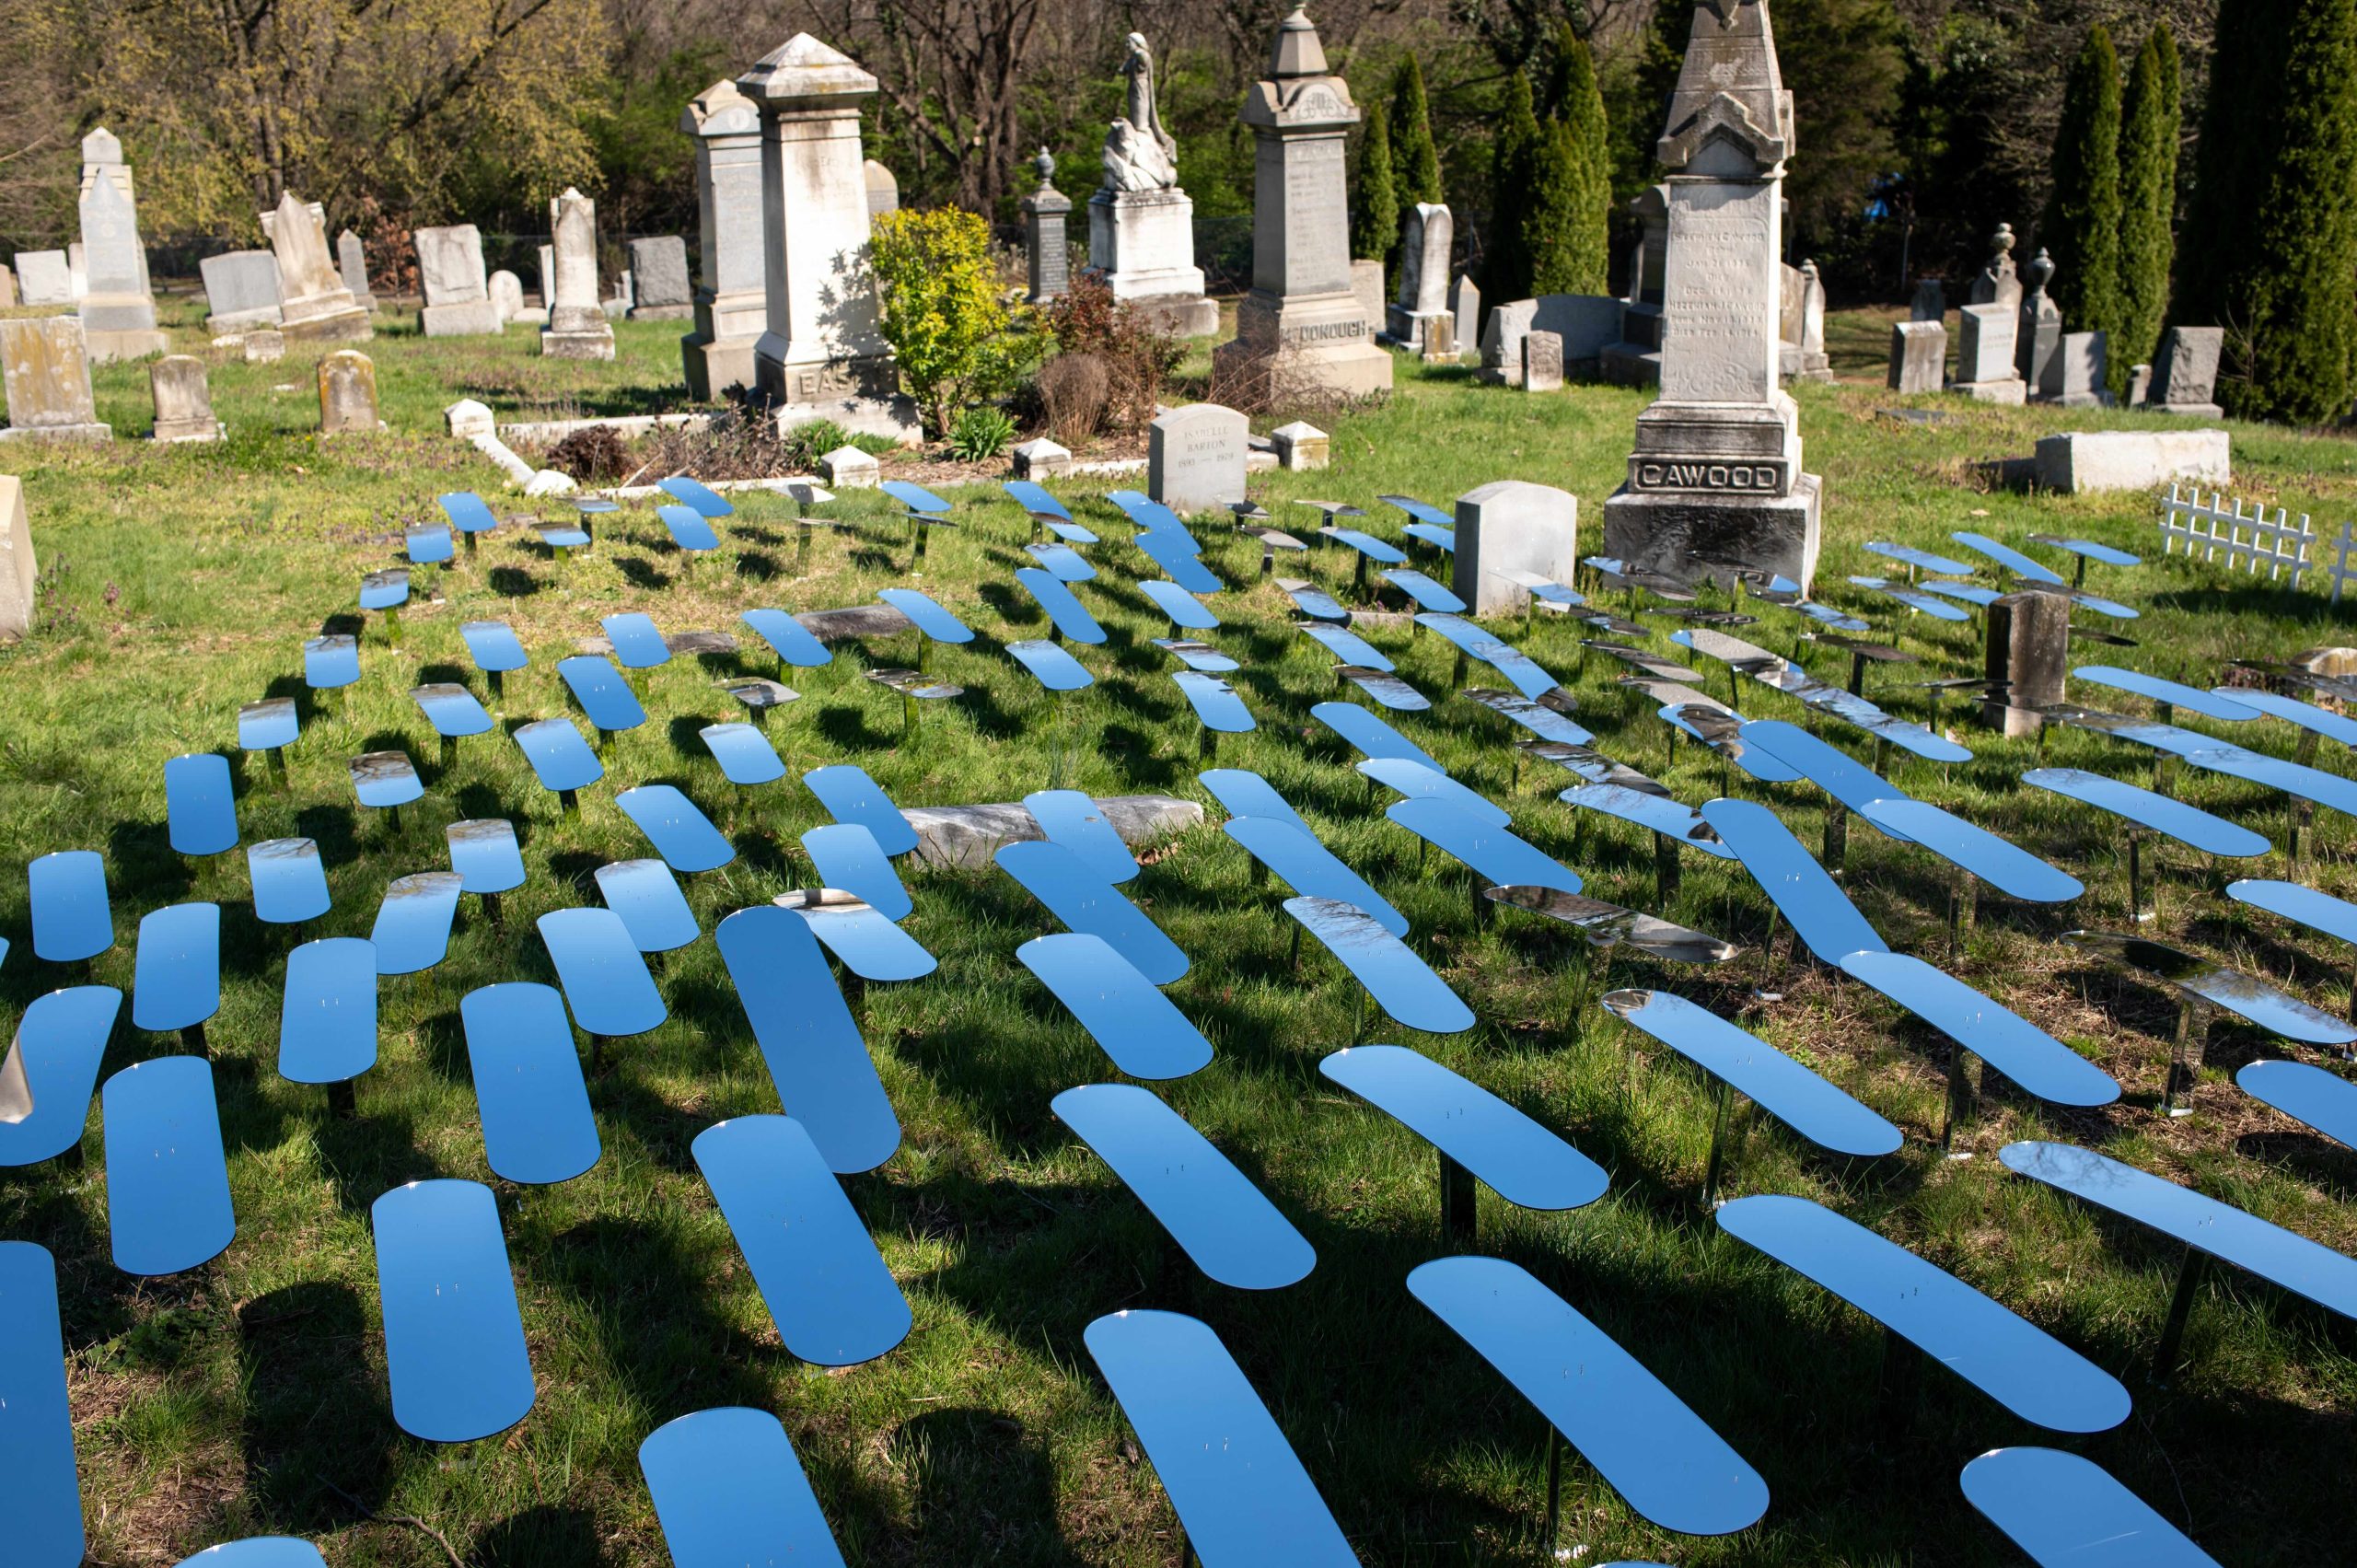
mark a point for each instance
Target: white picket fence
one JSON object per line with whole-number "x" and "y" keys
{"x": 2246, "y": 536}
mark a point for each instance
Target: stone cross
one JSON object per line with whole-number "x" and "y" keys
{"x": 457, "y": 294}
{"x": 313, "y": 302}
{"x": 1045, "y": 241}
{"x": 46, "y": 372}
{"x": 732, "y": 285}
{"x": 118, "y": 308}
{"x": 577, "y": 327}
{"x": 348, "y": 393}
{"x": 183, "y": 401}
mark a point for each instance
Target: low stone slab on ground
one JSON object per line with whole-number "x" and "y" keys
{"x": 2085, "y": 460}
{"x": 965, "y": 837}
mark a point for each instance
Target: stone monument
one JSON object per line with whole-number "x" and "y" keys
{"x": 2030, "y": 649}
{"x": 507, "y": 296}
{"x": 577, "y": 327}
{"x": 1984, "y": 354}
{"x": 1635, "y": 360}
{"x": 658, "y": 273}
{"x": 1715, "y": 485}
{"x": 1140, "y": 226}
{"x": 731, "y": 291}
{"x": 1919, "y": 355}
{"x": 883, "y": 188}
{"x": 1419, "y": 318}
{"x": 240, "y": 290}
{"x": 2078, "y": 376}
{"x": 1542, "y": 362}
{"x": 1814, "y": 365}
{"x": 1047, "y": 243}
{"x": 1507, "y": 528}
{"x": 351, "y": 263}
{"x": 1301, "y": 309}
{"x": 548, "y": 280}
{"x": 819, "y": 355}
{"x": 183, "y": 401}
{"x": 348, "y": 394}
{"x": 118, "y": 308}
{"x": 457, "y": 294}
{"x": 18, "y": 574}
{"x": 1465, "y": 308}
{"x": 2038, "y": 331}
{"x": 44, "y": 277}
{"x": 47, "y": 373}
{"x": 7, "y": 288}
{"x": 1997, "y": 283}
{"x": 313, "y": 302}
{"x": 1195, "y": 457}
{"x": 2185, "y": 372}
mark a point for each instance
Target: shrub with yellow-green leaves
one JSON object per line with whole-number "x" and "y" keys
{"x": 943, "y": 312}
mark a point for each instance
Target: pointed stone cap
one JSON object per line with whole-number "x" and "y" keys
{"x": 1729, "y": 91}
{"x": 1298, "y": 51}
{"x": 803, "y": 71}
{"x": 719, "y": 111}
{"x": 101, "y": 145}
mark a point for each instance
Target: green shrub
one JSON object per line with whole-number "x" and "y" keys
{"x": 2081, "y": 225}
{"x": 1375, "y": 215}
{"x": 980, "y": 433}
{"x": 1587, "y": 254}
{"x": 1506, "y": 261}
{"x": 2148, "y": 138}
{"x": 949, "y": 327}
{"x": 807, "y": 443}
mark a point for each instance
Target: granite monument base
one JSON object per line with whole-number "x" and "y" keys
{"x": 1142, "y": 243}
{"x": 472, "y": 317}
{"x": 716, "y": 371}
{"x": 1687, "y": 536}
{"x": 1322, "y": 340}
{"x": 93, "y": 432}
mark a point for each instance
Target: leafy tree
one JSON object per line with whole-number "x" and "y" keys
{"x": 2083, "y": 214}
{"x": 1581, "y": 109}
{"x": 1506, "y": 262}
{"x": 1415, "y": 162}
{"x": 1374, "y": 228}
{"x": 2148, "y": 138}
{"x": 943, "y": 314}
{"x": 1552, "y": 220}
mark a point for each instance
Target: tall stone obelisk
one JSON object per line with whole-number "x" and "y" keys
{"x": 732, "y": 290}
{"x": 118, "y": 309}
{"x": 1715, "y": 487}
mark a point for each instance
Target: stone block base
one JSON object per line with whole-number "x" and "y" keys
{"x": 2081, "y": 461}
{"x": 474, "y": 318}
{"x": 2012, "y": 723}
{"x": 1632, "y": 365}
{"x": 893, "y": 418}
{"x": 662, "y": 312}
{"x": 578, "y": 345}
{"x": 1180, "y": 315}
{"x": 1687, "y": 538}
{"x": 107, "y": 345}
{"x": 2186, "y": 411}
{"x": 58, "y": 433}
{"x": 171, "y": 430}
{"x": 348, "y": 325}
{"x": 717, "y": 371}
{"x": 2012, "y": 391}
{"x": 231, "y": 323}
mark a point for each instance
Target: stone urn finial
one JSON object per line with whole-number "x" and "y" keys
{"x": 2040, "y": 272}
{"x": 1045, "y": 167}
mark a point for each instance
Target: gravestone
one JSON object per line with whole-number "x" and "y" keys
{"x": 2185, "y": 372}
{"x": 1635, "y": 359}
{"x": 76, "y": 273}
{"x": 1512, "y": 525}
{"x": 1788, "y": 288}
{"x": 44, "y": 278}
{"x": 7, "y": 288}
{"x": 183, "y": 401}
{"x": 1716, "y": 487}
{"x": 1140, "y": 225}
{"x": 2030, "y": 647}
{"x": 47, "y": 373}
{"x": 1465, "y": 305}
{"x": 618, "y": 305}
{"x": 2039, "y": 329}
{"x": 1366, "y": 288}
{"x": 1542, "y": 362}
{"x": 1814, "y": 365}
{"x": 240, "y": 290}
{"x": 2140, "y": 385}
{"x": 1502, "y": 335}
{"x": 1997, "y": 283}
{"x": 1419, "y": 318}
{"x": 118, "y": 308}
{"x": 457, "y": 294}
{"x": 849, "y": 468}
{"x": 1195, "y": 457}
{"x": 1301, "y": 309}
{"x": 1918, "y": 356}
{"x": 883, "y": 188}
{"x": 819, "y": 355}
{"x": 659, "y": 288}
{"x": 577, "y": 328}
{"x": 351, "y": 262}
{"x": 506, "y": 295}
{"x": 732, "y": 281}
{"x": 1047, "y": 239}
{"x": 1040, "y": 458}
{"x": 2078, "y": 374}
{"x": 1930, "y": 302}
{"x": 548, "y": 281}
{"x": 1301, "y": 447}
{"x": 348, "y": 393}
{"x": 19, "y": 573}
{"x": 1984, "y": 354}
{"x": 267, "y": 218}
{"x": 261, "y": 346}
{"x": 2081, "y": 461}
{"x": 313, "y": 304}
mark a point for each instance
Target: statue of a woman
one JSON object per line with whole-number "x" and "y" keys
{"x": 1143, "y": 112}
{"x": 1139, "y": 153}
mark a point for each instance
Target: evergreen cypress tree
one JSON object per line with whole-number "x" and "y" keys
{"x": 1582, "y": 110}
{"x": 2148, "y": 138}
{"x": 2083, "y": 216}
{"x": 1506, "y": 260}
{"x": 1550, "y": 219}
{"x": 1415, "y": 162}
{"x": 1374, "y": 225}
{"x": 2237, "y": 150}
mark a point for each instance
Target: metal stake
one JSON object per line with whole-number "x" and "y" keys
{"x": 2181, "y": 1071}
{"x": 2189, "y": 1283}
{"x": 1721, "y": 1095}
{"x": 1457, "y": 1203}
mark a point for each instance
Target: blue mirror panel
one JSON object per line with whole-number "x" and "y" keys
{"x": 1178, "y": 556}
{"x": 1215, "y": 703}
{"x": 1791, "y": 1093}
{"x": 1926, "y": 603}
{"x": 2319, "y": 912}
{"x": 1419, "y": 783}
{"x": 1825, "y": 765}
{"x": 453, "y": 711}
{"x": 699, "y": 497}
{"x": 1243, "y": 792}
{"x": 681, "y": 835}
{"x": 1313, "y": 600}
{"x": 1055, "y": 669}
{"x": 41, "y": 1494}
{"x": 605, "y": 981}
{"x": 167, "y": 1181}
{"x": 2291, "y": 710}
{"x": 1068, "y": 614}
{"x": 927, "y": 616}
{"x": 2042, "y": 1065}
{"x": 1136, "y": 1027}
{"x": 1541, "y": 719}
{"x": 1184, "y": 609}
{"x": 428, "y": 546}
{"x": 2005, "y": 866}
{"x": 493, "y": 645}
{"x": 849, "y": 796}
{"x": 744, "y": 753}
{"x": 859, "y": 935}
{"x": 1368, "y": 734}
{"x": 788, "y": 638}
{"x": 728, "y": 1493}
{"x": 1070, "y": 817}
{"x": 647, "y": 897}
{"x": 1546, "y": 591}
{"x": 846, "y": 855}
{"x": 59, "y": 1044}
{"x": 267, "y": 725}
{"x": 1307, "y": 865}
{"x": 2192, "y": 699}
{"x": 915, "y": 497}
{"x": 1513, "y": 1156}
{"x": 200, "y": 807}
{"x": 2310, "y": 1096}
{"x": 537, "y": 1124}
{"x": 1671, "y": 819}
{"x": 330, "y": 662}
{"x": 1033, "y": 497}
{"x": 2012, "y": 560}
{"x": 1402, "y": 984}
{"x": 2101, "y": 606}
{"x": 1373, "y": 549}
{"x": 1522, "y": 672}
{"x": 2189, "y": 825}
{"x": 384, "y": 779}
{"x": 1821, "y": 913}
{"x": 1427, "y": 594}
{"x": 2067, "y": 1512}
{"x": 1346, "y": 645}
{"x": 388, "y": 589}
{"x": 1422, "y": 511}
{"x": 327, "y": 1015}
{"x": 2245, "y": 996}
{"x": 817, "y": 1062}
{"x": 2090, "y": 549}
{"x": 637, "y": 643}
{"x": 72, "y": 920}
{"x": 604, "y": 697}
{"x": 484, "y": 855}
{"x": 290, "y": 885}
{"x": 1922, "y": 559}
{"x": 560, "y": 537}
{"x": 467, "y": 512}
{"x": 1088, "y": 904}
{"x": 412, "y": 930}
{"x": 1062, "y": 561}
{"x": 454, "y": 1340}
{"x": 1496, "y": 853}
{"x": 1612, "y": 925}
{"x": 176, "y": 972}
{"x": 1194, "y": 654}
{"x": 691, "y": 532}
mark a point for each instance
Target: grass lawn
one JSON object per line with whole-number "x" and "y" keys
{"x": 250, "y": 1396}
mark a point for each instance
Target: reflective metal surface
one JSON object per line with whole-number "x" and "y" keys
{"x": 1671, "y": 819}
{"x": 72, "y": 920}
{"x": 1033, "y": 497}
{"x": 1068, "y": 615}
{"x": 1913, "y": 601}
{"x": 1422, "y": 511}
{"x": 2311, "y": 1096}
{"x": 1296, "y": 854}
{"x": 1586, "y": 762}
{"x": 388, "y": 589}
{"x": 1088, "y": 904}
{"x": 560, "y": 758}
{"x": 1791, "y": 1093}
{"x": 2017, "y": 1364}
{"x": 2221, "y": 1230}
{"x": 1193, "y": 654}
{"x": 849, "y": 796}
{"x": 1641, "y": 1438}
{"x": 1346, "y": 645}
{"x": 40, "y": 1495}
{"x": 915, "y": 497}
{"x": 1223, "y": 1224}
{"x": 604, "y": 697}
{"x": 1184, "y": 608}
{"x": 59, "y": 1043}
{"x": 1443, "y": 540}
{"x": 289, "y": 884}
{"x": 258, "y": 1551}
{"x": 927, "y": 616}
{"x": 1784, "y": 676}
{"x": 2318, "y": 912}
{"x": 467, "y": 512}
{"x": 1546, "y": 722}
{"x": 200, "y": 807}
{"x": 1178, "y": 556}
{"x": 1215, "y": 702}
{"x": 2002, "y": 865}
{"x": 2042, "y": 1065}
{"x": 833, "y": 1299}
{"x": 1720, "y": 728}
{"x": 859, "y": 935}
{"x": 383, "y": 779}
{"x": 267, "y": 725}
{"x": 2192, "y": 699}
{"x": 412, "y": 930}
{"x": 330, "y": 662}
{"x": 2190, "y": 825}
{"x": 176, "y": 973}
{"x": 744, "y": 753}
{"x": 451, "y": 710}
{"x": 1313, "y": 600}
{"x": 484, "y": 855}
{"x": 689, "y": 531}
{"x": 637, "y": 643}
{"x": 1496, "y": 854}
{"x": 700, "y": 497}
{"x": 757, "y": 694}
{"x": 327, "y": 1014}
{"x": 560, "y": 537}
{"x": 2244, "y": 995}
{"x": 167, "y": 1183}
{"x": 1243, "y": 792}
{"x": 1611, "y": 925}
{"x": 791, "y": 640}
{"x": 1237, "y": 1486}
{"x": 1978, "y": 595}
{"x": 1427, "y": 594}
{"x": 1370, "y": 735}
{"x": 819, "y": 1065}
{"x": 647, "y": 897}
{"x": 1822, "y": 915}
{"x": 1132, "y": 1023}
{"x": 2012, "y": 560}
{"x": 1055, "y": 669}
{"x": 1546, "y": 591}
{"x": 454, "y": 1340}
{"x": 730, "y": 1492}
{"x": 1062, "y": 561}
{"x": 846, "y": 855}
{"x": 537, "y": 1124}
{"x": 681, "y": 835}
{"x": 2291, "y": 710}
{"x": 2088, "y": 548}
{"x": 2067, "y": 1512}
{"x": 1402, "y": 984}
{"x": 1367, "y": 545}
{"x": 1921, "y": 559}
{"x": 1517, "y": 1158}
{"x": 606, "y": 983}
{"x": 1419, "y": 783}
{"x": 915, "y": 684}
{"x": 1522, "y": 672}
{"x": 493, "y": 645}
{"x": 1071, "y": 818}
{"x": 1388, "y": 690}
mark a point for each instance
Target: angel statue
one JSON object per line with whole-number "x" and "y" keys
{"x": 1139, "y": 152}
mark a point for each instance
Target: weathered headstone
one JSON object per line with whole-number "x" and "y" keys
{"x": 618, "y": 304}
{"x": 457, "y": 294}
{"x": 47, "y": 373}
{"x": 44, "y": 278}
{"x": 7, "y": 288}
{"x": 240, "y": 291}
{"x": 1715, "y": 486}
{"x": 352, "y": 264}
{"x": 1301, "y": 309}
{"x": 1140, "y": 225}
{"x": 1419, "y": 319}
{"x": 1918, "y": 356}
{"x": 732, "y": 284}
{"x": 183, "y": 401}
{"x": 548, "y": 281}
{"x": 506, "y": 295}
{"x": 1635, "y": 359}
{"x": 118, "y": 308}
{"x": 1465, "y": 305}
{"x": 1814, "y": 365}
{"x": 1509, "y": 323}
{"x": 2185, "y": 372}
{"x": 577, "y": 327}
{"x": 348, "y": 393}
{"x": 1042, "y": 459}
{"x": 2083, "y": 461}
{"x": 1366, "y": 288}
{"x": 883, "y": 188}
{"x": 1542, "y": 362}
{"x": 1195, "y": 457}
{"x": 1301, "y": 447}
{"x": 1789, "y": 286}
{"x": 658, "y": 271}
{"x": 19, "y": 573}
{"x": 1997, "y": 283}
{"x": 1507, "y": 527}
{"x": 261, "y": 346}
{"x": 2030, "y": 649}
{"x": 2077, "y": 374}
{"x": 1984, "y": 354}
{"x": 313, "y": 304}
{"x": 2038, "y": 332}
{"x": 1930, "y": 302}
{"x": 1047, "y": 238}
{"x": 820, "y": 356}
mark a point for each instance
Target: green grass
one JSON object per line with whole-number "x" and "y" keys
{"x": 250, "y": 1396}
